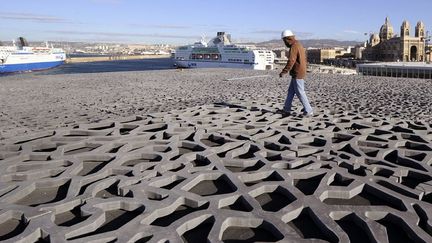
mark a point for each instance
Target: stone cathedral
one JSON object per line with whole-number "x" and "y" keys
{"x": 389, "y": 48}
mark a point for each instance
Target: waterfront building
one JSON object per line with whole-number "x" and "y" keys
{"x": 280, "y": 53}
{"x": 320, "y": 55}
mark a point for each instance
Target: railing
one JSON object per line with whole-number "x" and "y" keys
{"x": 397, "y": 72}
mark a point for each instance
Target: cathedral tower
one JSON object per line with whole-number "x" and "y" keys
{"x": 405, "y": 29}
{"x": 420, "y": 30}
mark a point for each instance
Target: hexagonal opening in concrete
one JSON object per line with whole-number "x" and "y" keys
{"x": 262, "y": 177}
{"x": 416, "y": 155}
{"x": 93, "y": 165}
{"x": 188, "y": 147}
{"x": 80, "y": 148}
{"x": 249, "y": 154}
{"x": 340, "y": 137}
{"x": 143, "y": 158}
{"x": 358, "y": 171}
{"x": 357, "y": 230}
{"x": 45, "y": 147}
{"x": 155, "y": 196}
{"x": 237, "y": 203}
{"x": 275, "y": 147}
{"x": 200, "y": 161}
{"x": 264, "y": 232}
{"x": 112, "y": 190}
{"x": 273, "y": 198}
{"x": 168, "y": 182}
{"x": 43, "y": 194}
{"x": 395, "y": 158}
{"x": 244, "y": 166}
{"x": 378, "y": 171}
{"x": 126, "y": 129}
{"x": 214, "y": 141}
{"x": 369, "y": 196}
{"x": 178, "y": 213}
{"x": 153, "y": 128}
{"x": 199, "y": 233}
{"x": 114, "y": 220}
{"x": 208, "y": 187}
{"x": 284, "y": 140}
{"x": 413, "y": 179}
{"x": 12, "y": 227}
{"x": 398, "y": 230}
{"x": 70, "y": 217}
{"x": 98, "y": 126}
{"x": 340, "y": 180}
{"x": 350, "y": 150}
{"x": 309, "y": 185}
{"x": 315, "y": 142}
{"x": 308, "y": 226}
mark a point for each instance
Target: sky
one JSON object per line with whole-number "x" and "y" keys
{"x": 186, "y": 21}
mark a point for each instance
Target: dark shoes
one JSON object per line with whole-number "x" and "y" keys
{"x": 308, "y": 114}
{"x": 305, "y": 114}
{"x": 284, "y": 113}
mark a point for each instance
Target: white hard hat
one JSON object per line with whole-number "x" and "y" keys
{"x": 286, "y": 33}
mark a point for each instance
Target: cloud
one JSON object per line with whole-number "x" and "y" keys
{"x": 266, "y": 32}
{"x": 118, "y": 34}
{"x": 352, "y": 32}
{"x": 212, "y": 25}
{"x": 107, "y": 1}
{"x": 32, "y": 17}
{"x": 161, "y": 26}
{"x": 170, "y": 26}
{"x": 303, "y": 35}
{"x": 277, "y": 32}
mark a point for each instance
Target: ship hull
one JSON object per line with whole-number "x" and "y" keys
{"x": 25, "y": 67}
{"x": 26, "y": 58}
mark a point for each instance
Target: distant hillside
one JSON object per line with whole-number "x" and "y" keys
{"x": 317, "y": 43}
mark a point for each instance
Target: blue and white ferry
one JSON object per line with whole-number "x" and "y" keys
{"x": 22, "y": 58}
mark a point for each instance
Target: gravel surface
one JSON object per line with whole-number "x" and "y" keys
{"x": 33, "y": 102}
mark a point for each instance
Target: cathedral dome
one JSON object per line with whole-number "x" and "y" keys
{"x": 386, "y": 31}
{"x": 374, "y": 39}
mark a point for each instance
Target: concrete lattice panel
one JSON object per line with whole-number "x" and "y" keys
{"x": 224, "y": 172}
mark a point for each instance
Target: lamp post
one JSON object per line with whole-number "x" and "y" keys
{"x": 366, "y": 46}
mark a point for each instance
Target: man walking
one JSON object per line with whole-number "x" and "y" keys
{"x": 296, "y": 66}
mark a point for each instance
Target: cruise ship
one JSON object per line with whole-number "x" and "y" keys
{"x": 21, "y": 57}
{"x": 219, "y": 52}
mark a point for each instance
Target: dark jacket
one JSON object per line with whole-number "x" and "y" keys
{"x": 296, "y": 64}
